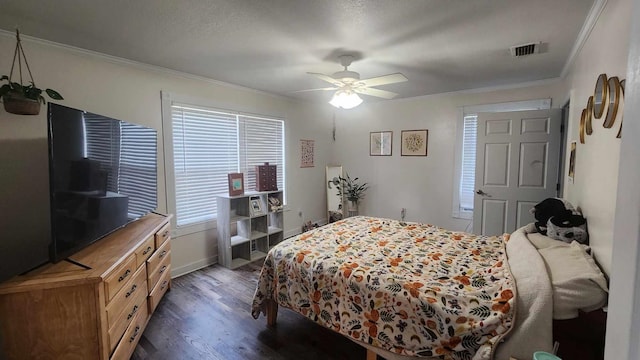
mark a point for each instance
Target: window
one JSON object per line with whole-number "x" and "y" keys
{"x": 468, "y": 171}
{"x": 209, "y": 144}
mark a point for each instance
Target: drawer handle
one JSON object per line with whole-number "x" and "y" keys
{"x": 165, "y": 233}
{"x": 164, "y": 285}
{"x": 162, "y": 254}
{"x": 146, "y": 251}
{"x": 133, "y": 288}
{"x": 124, "y": 276}
{"x": 164, "y": 267}
{"x": 133, "y": 312}
{"x": 135, "y": 333}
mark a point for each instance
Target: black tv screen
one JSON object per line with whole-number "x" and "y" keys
{"x": 102, "y": 175}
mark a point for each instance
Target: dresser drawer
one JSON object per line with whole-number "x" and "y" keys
{"x": 154, "y": 275}
{"x": 125, "y": 297}
{"x": 145, "y": 250}
{"x": 119, "y": 277}
{"x": 157, "y": 257}
{"x": 136, "y": 306}
{"x": 131, "y": 336}
{"x": 158, "y": 292}
{"x": 162, "y": 235}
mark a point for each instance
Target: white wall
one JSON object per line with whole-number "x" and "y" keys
{"x": 422, "y": 185}
{"x": 623, "y": 323}
{"x": 131, "y": 92}
{"x": 596, "y": 169}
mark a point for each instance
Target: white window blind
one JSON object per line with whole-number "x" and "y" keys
{"x": 208, "y": 145}
{"x": 262, "y": 141}
{"x": 467, "y": 177}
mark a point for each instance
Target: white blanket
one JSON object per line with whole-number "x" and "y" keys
{"x": 534, "y": 307}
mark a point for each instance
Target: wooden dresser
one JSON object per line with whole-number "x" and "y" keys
{"x": 63, "y": 311}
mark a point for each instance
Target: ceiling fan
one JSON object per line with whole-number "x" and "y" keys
{"x": 348, "y": 85}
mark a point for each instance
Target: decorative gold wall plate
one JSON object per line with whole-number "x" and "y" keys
{"x": 613, "y": 100}
{"x": 588, "y": 117}
{"x": 623, "y": 82}
{"x": 600, "y": 95}
{"x": 582, "y": 121}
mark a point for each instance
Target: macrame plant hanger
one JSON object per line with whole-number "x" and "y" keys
{"x": 24, "y": 99}
{"x": 19, "y": 54}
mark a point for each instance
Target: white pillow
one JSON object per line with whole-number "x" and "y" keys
{"x": 542, "y": 241}
{"x": 576, "y": 279}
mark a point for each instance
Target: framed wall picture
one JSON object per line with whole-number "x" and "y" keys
{"x": 306, "y": 153}
{"x": 255, "y": 206}
{"x": 380, "y": 143}
{"x": 414, "y": 142}
{"x": 236, "y": 184}
{"x": 572, "y": 162}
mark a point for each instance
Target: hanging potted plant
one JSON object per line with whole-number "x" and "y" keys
{"x": 17, "y": 97}
{"x": 353, "y": 191}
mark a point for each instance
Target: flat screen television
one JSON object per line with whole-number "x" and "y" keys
{"x": 102, "y": 175}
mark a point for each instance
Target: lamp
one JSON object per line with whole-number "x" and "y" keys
{"x": 345, "y": 99}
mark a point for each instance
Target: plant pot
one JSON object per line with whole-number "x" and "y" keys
{"x": 352, "y": 207}
{"x": 18, "y": 104}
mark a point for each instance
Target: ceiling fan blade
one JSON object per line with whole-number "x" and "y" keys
{"x": 376, "y": 92}
{"x": 384, "y": 80}
{"x": 327, "y": 78}
{"x": 318, "y": 89}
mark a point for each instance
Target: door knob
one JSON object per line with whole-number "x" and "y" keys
{"x": 482, "y": 193}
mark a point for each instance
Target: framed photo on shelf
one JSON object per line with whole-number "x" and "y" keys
{"x": 255, "y": 206}
{"x": 380, "y": 143}
{"x": 236, "y": 184}
{"x": 414, "y": 142}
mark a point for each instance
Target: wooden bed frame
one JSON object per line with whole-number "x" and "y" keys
{"x": 272, "y": 315}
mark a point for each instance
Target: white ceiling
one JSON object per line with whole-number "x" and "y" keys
{"x": 270, "y": 45}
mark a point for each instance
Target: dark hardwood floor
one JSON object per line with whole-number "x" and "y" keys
{"x": 207, "y": 315}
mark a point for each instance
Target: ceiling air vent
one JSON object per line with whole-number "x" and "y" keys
{"x": 525, "y": 49}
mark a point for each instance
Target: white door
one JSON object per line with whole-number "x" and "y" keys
{"x": 517, "y": 157}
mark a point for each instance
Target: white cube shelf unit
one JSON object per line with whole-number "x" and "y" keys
{"x": 247, "y": 227}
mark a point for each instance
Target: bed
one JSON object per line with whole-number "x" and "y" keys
{"x": 411, "y": 290}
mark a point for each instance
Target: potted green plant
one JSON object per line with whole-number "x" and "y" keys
{"x": 352, "y": 191}
{"x": 24, "y": 99}
{"x": 17, "y": 97}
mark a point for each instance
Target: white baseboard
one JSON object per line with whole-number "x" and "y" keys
{"x": 293, "y": 232}
{"x": 196, "y": 265}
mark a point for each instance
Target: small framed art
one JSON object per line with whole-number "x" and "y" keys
{"x": 255, "y": 206}
{"x": 306, "y": 153}
{"x": 236, "y": 184}
{"x": 572, "y": 162}
{"x": 414, "y": 142}
{"x": 380, "y": 143}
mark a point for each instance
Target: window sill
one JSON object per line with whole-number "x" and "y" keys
{"x": 466, "y": 215}
{"x": 194, "y": 228}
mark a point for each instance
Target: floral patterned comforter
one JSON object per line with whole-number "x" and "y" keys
{"x": 410, "y": 288}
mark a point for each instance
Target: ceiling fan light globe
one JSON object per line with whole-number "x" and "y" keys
{"x": 345, "y": 100}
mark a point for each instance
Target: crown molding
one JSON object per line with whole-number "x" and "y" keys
{"x": 134, "y": 64}
{"x": 480, "y": 90}
{"x": 587, "y": 27}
